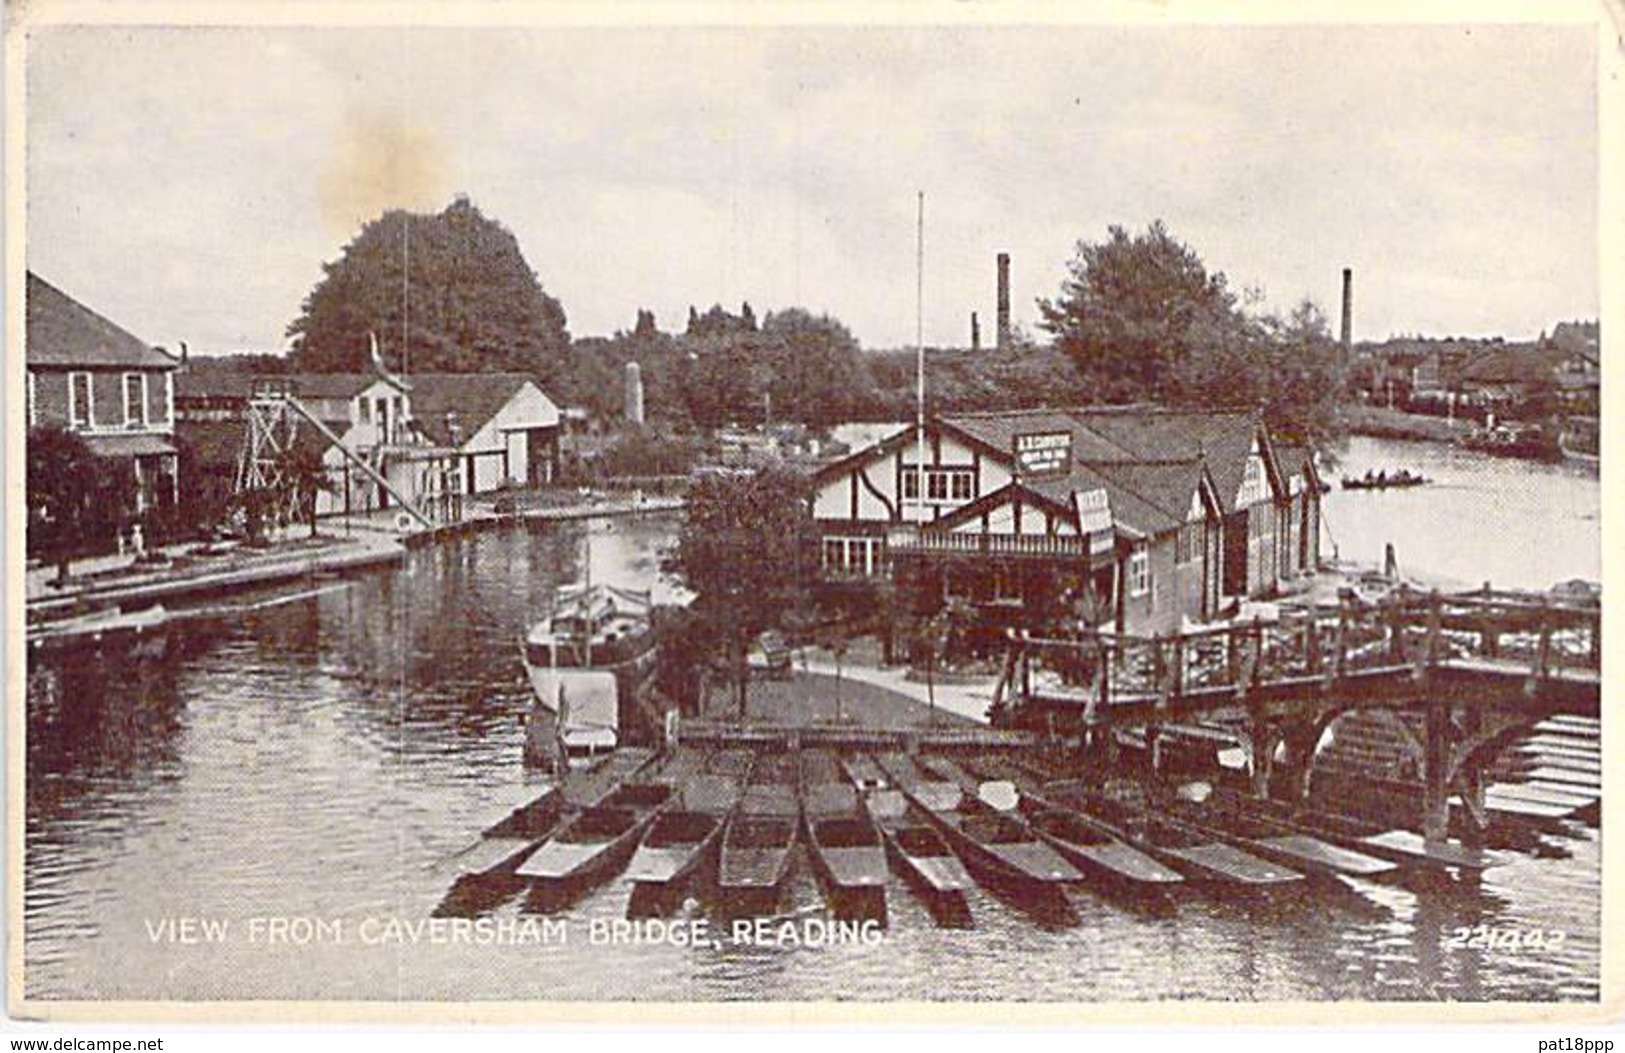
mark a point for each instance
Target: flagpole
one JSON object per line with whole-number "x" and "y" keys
{"x": 919, "y": 358}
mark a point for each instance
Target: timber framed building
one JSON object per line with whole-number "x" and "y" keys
{"x": 1138, "y": 518}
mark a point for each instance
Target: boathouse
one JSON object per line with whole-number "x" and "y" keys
{"x": 502, "y": 426}
{"x": 1138, "y": 517}
{"x": 90, "y": 376}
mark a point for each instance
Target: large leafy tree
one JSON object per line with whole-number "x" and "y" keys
{"x": 77, "y": 502}
{"x": 744, "y": 549}
{"x": 1143, "y": 319}
{"x": 449, "y": 292}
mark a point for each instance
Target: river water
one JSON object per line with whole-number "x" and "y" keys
{"x": 310, "y": 762}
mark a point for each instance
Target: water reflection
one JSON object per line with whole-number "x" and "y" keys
{"x": 315, "y": 759}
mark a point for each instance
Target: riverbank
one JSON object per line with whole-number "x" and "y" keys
{"x": 343, "y": 544}
{"x": 1380, "y": 422}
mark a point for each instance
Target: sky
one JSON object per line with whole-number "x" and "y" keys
{"x": 189, "y": 183}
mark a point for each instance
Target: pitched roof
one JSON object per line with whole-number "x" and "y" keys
{"x": 204, "y": 378}
{"x": 474, "y": 397}
{"x": 61, "y": 331}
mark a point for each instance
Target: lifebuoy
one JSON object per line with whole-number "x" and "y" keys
{"x": 403, "y": 522}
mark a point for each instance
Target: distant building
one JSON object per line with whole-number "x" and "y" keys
{"x": 1138, "y": 518}
{"x": 92, "y": 377}
{"x": 503, "y": 427}
{"x": 434, "y": 436}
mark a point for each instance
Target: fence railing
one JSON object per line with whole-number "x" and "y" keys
{"x": 1534, "y": 636}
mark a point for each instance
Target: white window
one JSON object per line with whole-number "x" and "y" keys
{"x": 936, "y": 486}
{"x": 135, "y": 400}
{"x": 81, "y": 410}
{"x": 852, "y": 555}
{"x": 911, "y": 484}
{"x": 366, "y": 409}
{"x": 1139, "y": 571}
{"x": 963, "y": 486}
{"x": 942, "y": 485}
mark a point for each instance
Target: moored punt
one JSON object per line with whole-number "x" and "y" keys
{"x": 1200, "y": 857}
{"x": 1400, "y": 846}
{"x": 998, "y": 848}
{"x": 1109, "y": 862}
{"x": 862, "y": 771}
{"x": 484, "y": 872}
{"x": 593, "y": 846}
{"x": 759, "y": 839}
{"x": 920, "y": 854}
{"x": 1275, "y": 841}
{"x": 846, "y": 849}
{"x": 680, "y": 843}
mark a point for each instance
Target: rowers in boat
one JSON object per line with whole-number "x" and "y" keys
{"x": 597, "y": 844}
{"x": 586, "y": 661}
{"x": 761, "y": 835}
{"x": 1385, "y": 480}
{"x": 680, "y": 843}
{"x": 845, "y": 847}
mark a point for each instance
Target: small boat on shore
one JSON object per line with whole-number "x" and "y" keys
{"x": 917, "y": 851}
{"x": 760, "y": 838}
{"x": 596, "y": 844}
{"x": 586, "y": 661}
{"x": 1526, "y": 441}
{"x": 847, "y": 853}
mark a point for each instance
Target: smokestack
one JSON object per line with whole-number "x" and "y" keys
{"x": 1348, "y": 310}
{"x": 975, "y": 333}
{"x": 1004, "y": 301}
{"x": 634, "y": 394}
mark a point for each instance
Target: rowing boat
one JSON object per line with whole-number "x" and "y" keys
{"x": 1274, "y": 840}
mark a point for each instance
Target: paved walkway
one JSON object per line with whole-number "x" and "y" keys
{"x": 967, "y": 700}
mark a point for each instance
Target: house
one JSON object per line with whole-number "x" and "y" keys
{"x": 88, "y": 375}
{"x": 358, "y": 421}
{"x": 502, "y": 426}
{"x": 1138, "y": 517}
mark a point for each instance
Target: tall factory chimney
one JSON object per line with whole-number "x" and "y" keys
{"x": 1004, "y": 301}
{"x": 1348, "y": 311}
{"x": 975, "y": 332}
{"x": 634, "y": 394}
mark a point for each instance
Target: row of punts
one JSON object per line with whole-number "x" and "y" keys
{"x": 727, "y": 825}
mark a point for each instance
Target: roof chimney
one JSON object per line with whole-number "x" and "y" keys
{"x": 1348, "y": 310}
{"x": 975, "y": 333}
{"x": 1004, "y": 301}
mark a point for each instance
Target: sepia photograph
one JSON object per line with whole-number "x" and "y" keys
{"x": 523, "y": 506}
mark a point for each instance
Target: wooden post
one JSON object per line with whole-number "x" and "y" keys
{"x": 1436, "y": 759}
{"x": 1470, "y": 784}
{"x": 1263, "y": 755}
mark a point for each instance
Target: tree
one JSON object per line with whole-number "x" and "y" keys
{"x": 1142, "y": 318}
{"x": 744, "y": 551}
{"x": 77, "y": 501}
{"x": 449, "y": 292}
{"x": 1133, "y": 307}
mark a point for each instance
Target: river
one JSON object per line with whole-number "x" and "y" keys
{"x": 312, "y": 761}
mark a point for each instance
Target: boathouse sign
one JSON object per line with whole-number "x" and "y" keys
{"x": 1043, "y": 453}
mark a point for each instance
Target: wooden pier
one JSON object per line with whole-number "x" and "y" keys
{"x": 1478, "y": 669}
